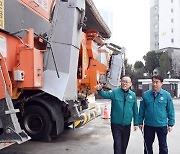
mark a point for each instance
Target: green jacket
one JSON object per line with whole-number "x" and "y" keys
{"x": 123, "y": 108}
{"x": 156, "y": 111}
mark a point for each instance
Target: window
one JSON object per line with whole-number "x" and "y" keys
{"x": 156, "y": 37}
{"x": 171, "y": 1}
{"x": 172, "y": 30}
{"x": 172, "y": 10}
{"x": 172, "y": 20}
{"x": 171, "y": 86}
{"x": 156, "y": 45}
{"x": 156, "y": 17}
{"x": 155, "y": 25}
{"x": 172, "y": 40}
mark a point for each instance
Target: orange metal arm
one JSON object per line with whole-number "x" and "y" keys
{"x": 41, "y": 7}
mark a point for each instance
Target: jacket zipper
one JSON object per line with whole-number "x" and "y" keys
{"x": 124, "y": 104}
{"x": 153, "y": 107}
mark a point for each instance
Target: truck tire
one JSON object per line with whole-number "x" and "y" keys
{"x": 37, "y": 123}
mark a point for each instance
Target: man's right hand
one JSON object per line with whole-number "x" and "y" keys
{"x": 99, "y": 86}
{"x": 140, "y": 127}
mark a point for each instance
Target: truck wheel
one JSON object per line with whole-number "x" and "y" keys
{"x": 37, "y": 123}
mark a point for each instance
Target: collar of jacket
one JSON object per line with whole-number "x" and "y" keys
{"x": 160, "y": 91}
{"x": 129, "y": 91}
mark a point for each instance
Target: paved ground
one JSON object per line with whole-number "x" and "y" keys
{"x": 93, "y": 138}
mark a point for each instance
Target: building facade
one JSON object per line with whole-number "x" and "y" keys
{"x": 165, "y": 30}
{"x": 164, "y": 24}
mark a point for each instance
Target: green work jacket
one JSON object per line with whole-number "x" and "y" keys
{"x": 123, "y": 106}
{"x": 156, "y": 111}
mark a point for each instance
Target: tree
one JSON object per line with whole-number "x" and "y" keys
{"x": 164, "y": 64}
{"x": 138, "y": 65}
{"x": 151, "y": 61}
{"x": 128, "y": 68}
{"x": 137, "y": 74}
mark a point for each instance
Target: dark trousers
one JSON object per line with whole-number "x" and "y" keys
{"x": 121, "y": 136}
{"x": 149, "y": 136}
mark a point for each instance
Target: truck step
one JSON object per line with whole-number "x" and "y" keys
{"x": 11, "y": 130}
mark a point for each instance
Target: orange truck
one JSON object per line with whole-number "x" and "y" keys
{"x": 52, "y": 54}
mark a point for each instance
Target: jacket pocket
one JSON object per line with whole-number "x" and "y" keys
{"x": 162, "y": 104}
{"x": 130, "y": 102}
{"x": 148, "y": 104}
{"x": 119, "y": 99}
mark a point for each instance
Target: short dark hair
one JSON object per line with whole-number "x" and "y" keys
{"x": 157, "y": 77}
{"x": 125, "y": 76}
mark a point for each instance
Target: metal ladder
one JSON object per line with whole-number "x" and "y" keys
{"x": 11, "y": 130}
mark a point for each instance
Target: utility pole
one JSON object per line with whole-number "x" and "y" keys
{"x": 124, "y": 56}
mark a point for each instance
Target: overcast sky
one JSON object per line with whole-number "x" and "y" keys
{"x": 131, "y": 25}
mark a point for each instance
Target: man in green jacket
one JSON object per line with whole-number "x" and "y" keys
{"x": 123, "y": 109}
{"x": 156, "y": 113}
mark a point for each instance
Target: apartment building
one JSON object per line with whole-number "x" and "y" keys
{"x": 164, "y": 24}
